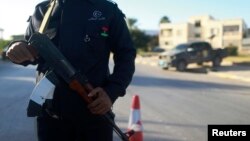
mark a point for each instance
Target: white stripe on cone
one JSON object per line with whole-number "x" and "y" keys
{"x": 135, "y": 121}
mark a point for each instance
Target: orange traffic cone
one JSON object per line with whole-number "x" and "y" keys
{"x": 135, "y": 122}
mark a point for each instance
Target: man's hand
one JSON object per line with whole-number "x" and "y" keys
{"x": 19, "y": 53}
{"x": 101, "y": 104}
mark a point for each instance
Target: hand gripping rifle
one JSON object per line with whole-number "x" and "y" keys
{"x": 60, "y": 65}
{"x": 40, "y": 45}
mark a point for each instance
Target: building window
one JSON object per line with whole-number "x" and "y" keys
{"x": 244, "y": 35}
{"x": 197, "y": 35}
{"x": 231, "y": 29}
{"x": 168, "y": 43}
{"x": 197, "y": 24}
{"x": 166, "y": 32}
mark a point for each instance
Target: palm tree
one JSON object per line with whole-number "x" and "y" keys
{"x": 132, "y": 23}
{"x": 165, "y": 19}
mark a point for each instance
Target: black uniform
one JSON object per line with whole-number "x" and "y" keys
{"x": 85, "y": 31}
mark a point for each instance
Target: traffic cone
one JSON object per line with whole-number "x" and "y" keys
{"x": 135, "y": 122}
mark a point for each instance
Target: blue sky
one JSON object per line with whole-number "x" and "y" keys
{"x": 14, "y": 13}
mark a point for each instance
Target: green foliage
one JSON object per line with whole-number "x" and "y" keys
{"x": 153, "y": 42}
{"x": 141, "y": 40}
{"x": 132, "y": 23}
{"x": 145, "y": 53}
{"x": 165, "y": 19}
{"x": 232, "y": 50}
{"x": 3, "y": 43}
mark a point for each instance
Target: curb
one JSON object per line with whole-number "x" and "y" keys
{"x": 229, "y": 76}
{"x": 147, "y": 61}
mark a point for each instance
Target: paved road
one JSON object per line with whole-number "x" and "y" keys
{"x": 174, "y": 106}
{"x": 16, "y": 84}
{"x": 179, "y": 106}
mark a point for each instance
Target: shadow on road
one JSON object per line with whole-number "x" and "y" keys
{"x": 148, "y": 138}
{"x": 152, "y": 135}
{"x": 166, "y": 124}
{"x": 145, "y": 81}
{"x": 202, "y": 70}
{"x": 207, "y": 69}
{"x": 234, "y": 68}
{"x": 244, "y": 63}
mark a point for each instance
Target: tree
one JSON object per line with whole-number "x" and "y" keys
{"x": 140, "y": 39}
{"x": 3, "y": 43}
{"x": 132, "y": 23}
{"x": 153, "y": 42}
{"x": 165, "y": 19}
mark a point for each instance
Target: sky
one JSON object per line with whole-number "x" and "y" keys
{"x": 14, "y": 13}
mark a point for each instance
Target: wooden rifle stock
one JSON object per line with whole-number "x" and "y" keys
{"x": 81, "y": 90}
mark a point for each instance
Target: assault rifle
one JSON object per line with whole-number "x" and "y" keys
{"x": 40, "y": 45}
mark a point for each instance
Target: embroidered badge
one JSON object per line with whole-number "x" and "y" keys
{"x": 104, "y": 32}
{"x": 86, "y": 38}
{"x": 97, "y": 15}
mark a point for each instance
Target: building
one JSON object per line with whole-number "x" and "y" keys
{"x": 17, "y": 37}
{"x": 246, "y": 46}
{"x": 220, "y": 33}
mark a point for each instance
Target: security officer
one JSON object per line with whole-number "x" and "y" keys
{"x": 85, "y": 31}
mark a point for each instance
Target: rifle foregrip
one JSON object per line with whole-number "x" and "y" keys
{"x": 76, "y": 86}
{"x": 88, "y": 87}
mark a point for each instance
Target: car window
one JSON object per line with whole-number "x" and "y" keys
{"x": 195, "y": 46}
{"x": 181, "y": 47}
{"x": 206, "y": 46}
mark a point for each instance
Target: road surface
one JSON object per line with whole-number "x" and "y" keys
{"x": 174, "y": 106}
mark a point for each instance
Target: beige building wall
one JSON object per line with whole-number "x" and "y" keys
{"x": 173, "y": 34}
{"x": 233, "y": 31}
{"x": 220, "y": 33}
{"x": 246, "y": 46}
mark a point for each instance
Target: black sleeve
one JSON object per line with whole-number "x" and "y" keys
{"x": 33, "y": 26}
{"x": 26, "y": 37}
{"x": 35, "y": 22}
{"x": 124, "y": 56}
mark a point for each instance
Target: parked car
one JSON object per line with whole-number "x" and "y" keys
{"x": 195, "y": 52}
{"x": 3, "y": 54}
